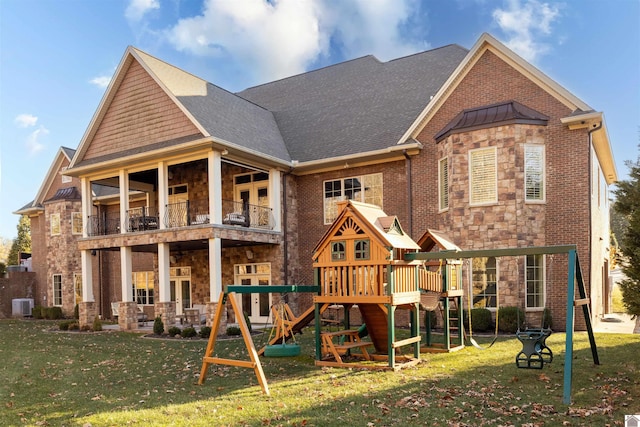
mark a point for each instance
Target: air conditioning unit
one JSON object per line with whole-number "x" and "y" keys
{"x": 21, "y": 307}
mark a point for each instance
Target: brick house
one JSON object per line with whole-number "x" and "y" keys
{"x": 211, "y": 188}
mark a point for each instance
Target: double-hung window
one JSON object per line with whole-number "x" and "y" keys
{"x": 535, "y": 281}
{"x": 76, "y": 222}
{"x": 143, "y": 285}
{"x": 534, "y": 173}
{"x": 483, "y": 176}
{"x": 54, "y": 220}
{"x": 57, "y": 290}
{"x": 485, "y": 283}
{"x": 364, "y": 188}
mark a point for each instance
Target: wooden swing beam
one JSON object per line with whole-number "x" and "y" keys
{"x": 574, "y": 276}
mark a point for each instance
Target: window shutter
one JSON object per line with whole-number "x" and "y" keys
{"x": 444, "y": 183}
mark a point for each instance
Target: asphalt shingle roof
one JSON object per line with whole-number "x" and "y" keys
{"x": 355, "y": 106}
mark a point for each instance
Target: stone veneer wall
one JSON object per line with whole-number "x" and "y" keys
{"x": 62, "y": 256}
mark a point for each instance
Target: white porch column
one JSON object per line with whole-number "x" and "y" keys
{"x": 215, "y": 187}
{"x": 125, "y": 273}
{"x": 163, "y": 193}
{"x": 164, "y": 288}
{"x": 275, "y": 198}
{"x": 87, "y": 198}
{"x": 215, "y": 268}
{"x": 124, "y": 200}
{"x": 87, "y": 276}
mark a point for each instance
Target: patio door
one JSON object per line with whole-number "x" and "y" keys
{"x": 180, "y": 288}
{"x": 254, "y": 190}
{"x": 256, "y": 305}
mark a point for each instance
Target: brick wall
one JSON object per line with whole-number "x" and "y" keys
{"x": 17, "y": 284}
{"x": 565, "y": 219}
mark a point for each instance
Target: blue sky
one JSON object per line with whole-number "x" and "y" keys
{"x": 57, "y": 56}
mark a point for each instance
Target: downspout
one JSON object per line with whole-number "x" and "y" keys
{"x": 284, "y": 225}
{"x": 590, "y": 131}
{"x": 409, "y": 198}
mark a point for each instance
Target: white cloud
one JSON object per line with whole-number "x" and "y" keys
{"x": 279, "y": 38}
{"x": 34, "y": 144}
{"x": 525, "y": 23}
{"x": 138, "y": 8}
{"x": 101, "y": 81}
{"x": 25, "y": 120}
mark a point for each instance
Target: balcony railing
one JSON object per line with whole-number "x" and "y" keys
{"x": 182, "y": 214}
{"x": 104, "y": 224}
{"x": 142, "y": 218}
{"x": 247, "y": 215}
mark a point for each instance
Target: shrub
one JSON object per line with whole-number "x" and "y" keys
{"x": 547, "y": 321}
{"x": 174, "y": 330}
{"x": 480, "y": 319}
{"x": 64, "y": 325}
{"x": 247, "y": 321}
{"x": 189, "y": 332}
{"x": 233, "y": 331}
{"x": 97, "y": 324}
{"x": 53, "y": 313}
{"x": 508, "y": 318}
{"x": 158, "y": 326}
{"x": 85, "y": 328}
{"x": 37, "y": 312}
{"x": 74, "y": 326}
{"x": 205, "y": 331}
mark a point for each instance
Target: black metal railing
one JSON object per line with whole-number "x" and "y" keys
{"x": 189, "y": 212}
{"x": 246, "y": 215}
{"x": 181, "y": 214}
{"x": 103, "y": 224}
{"x": 141, "y": 219}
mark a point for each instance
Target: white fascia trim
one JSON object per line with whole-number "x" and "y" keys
{"x": 51, "y": 174}
{"x": 358, "y": 156}
{"x": 488, "y": 42}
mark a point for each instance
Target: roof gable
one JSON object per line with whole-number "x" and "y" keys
{"x": 61, "y": 160}
{"x": 138, "y": 112}
{"x": 368, "y": 220}
{"x": 485, "y": 43}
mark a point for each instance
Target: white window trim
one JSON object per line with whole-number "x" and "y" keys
{"x": 495, "y": 178}
{"x": 441, "y": 186}
{"x": 65, "y": 178}
{"x": 544, "y": 175}
{"x": 361, "y": 178}
{"x": 135, "y": 286}
{"x": 53, "y": 285}
{"x": 493, "y": 309}
{"x": 74, "y": 232}
{"x": 544, "y": 286}
{"x": 51, "y": 217}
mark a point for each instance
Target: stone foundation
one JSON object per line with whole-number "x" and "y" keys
{"x": 167, "y": 313}
{"x": 87, "y": 312}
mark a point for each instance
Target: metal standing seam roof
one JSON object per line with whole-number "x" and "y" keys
{"x": 491, "y": 115}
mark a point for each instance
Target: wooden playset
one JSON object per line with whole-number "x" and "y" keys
{"x": 366, "y": 261}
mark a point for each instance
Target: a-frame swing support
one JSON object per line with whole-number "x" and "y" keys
{"x": 574, "y": 277}
{"x": 254, "y": 360}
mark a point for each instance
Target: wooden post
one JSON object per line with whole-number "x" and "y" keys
{"x": 254, "y": 363}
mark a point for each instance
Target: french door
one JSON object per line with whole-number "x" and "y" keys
{"x": 180, "y": 288}
{"x": 255, "y": 305}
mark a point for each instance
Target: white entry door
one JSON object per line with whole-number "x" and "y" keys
{"x": 181, "y": 294}
{"x": 255, "y": 305}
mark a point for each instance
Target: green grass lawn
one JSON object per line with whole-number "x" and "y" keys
{"x": 116, "y": 378}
